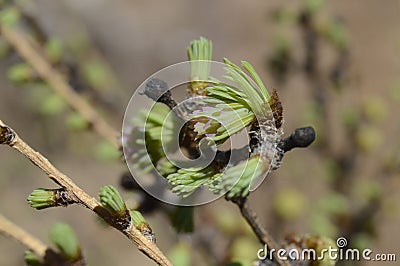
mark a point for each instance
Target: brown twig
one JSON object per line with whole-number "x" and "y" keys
{"x": 262, "y": 234}
{"x": 48, "y": 256}
{"x": 79, "y": 195}
{"x": 10, "y": 230}
{"x": 31, "y": 54}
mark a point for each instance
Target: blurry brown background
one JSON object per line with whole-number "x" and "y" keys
{"x": 140, "y": 37}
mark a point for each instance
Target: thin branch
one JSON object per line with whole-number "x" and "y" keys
{"x": 262, "y": 234}
{"x": 31, "y": 54}
{"x": 9, "y": 137}
{"x": 48, "y": 256}
{"x": 10, "y": 230}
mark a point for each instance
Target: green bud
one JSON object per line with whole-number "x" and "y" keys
{"x": 181, "y": 255}
{"x": 187, "y": 180}
{"x": 323, "y": 225}
{"x": 76, "y": 122}
{"x": 105, "y": 151}
{"x": 335, "y": 32}
{"x": 289, "y": 204}
{"x": 312, "y": 6}
{"x": 368, "y": 138}
{"x": 249, "y": 86}
{"x": 141, "y": 224}
{"x": 200, "y": 50}
{"x": 20, "y": 73}
{"x": 96, "y": 73}
{"x": 9, "y": 16}
{"x": 137, "y": 218}
{"x": 375, "y": 109}
{"x": 53, "y": 50}
{"x": 112, "y": 201}
{"x": 242, "y": 250}
{"x": 66, "y": 241}
{"x": 42, "y": 198}
{"x": 200, "y": 55}
{"x": 52, "y": 105}
{"x": 31, "y": 259}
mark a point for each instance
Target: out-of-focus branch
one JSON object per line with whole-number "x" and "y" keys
{"x": 34, "y": 57}
{"x": 9, "y": 137}
{"x": 10, "y": 230}
{"x": 46, "y": 254}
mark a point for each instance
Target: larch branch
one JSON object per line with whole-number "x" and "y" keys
{"x": 10, "y": 230}
{"x": 11, "y": 138}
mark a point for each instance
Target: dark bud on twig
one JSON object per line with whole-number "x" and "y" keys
{"x": 157, "y": 90}
{"x": 6, "y": 135}
{"x": 43, "y": 198}
{"x": 300, "y": 138}
{"x": 140, "y": 223}
{"x": 63, "y": 198}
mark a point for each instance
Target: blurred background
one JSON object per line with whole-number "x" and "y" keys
{"x": 335, "y": 65}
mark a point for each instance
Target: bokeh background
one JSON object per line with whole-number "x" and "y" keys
{"x": 335, "y": 65}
